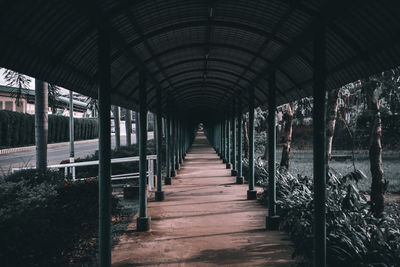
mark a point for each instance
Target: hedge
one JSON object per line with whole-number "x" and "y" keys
{"x": 18, "y": 129}
{"x": 44, "y": 219}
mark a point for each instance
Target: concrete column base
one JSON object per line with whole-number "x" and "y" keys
{"x": 272, "y": 223}
{"x": 251, "y": 194}
{"x": 143, "y": 224}
{"x": 224, "y": 161}
{"x": 168, "y": 180}
{"x": 159, "y": 196}
{"x": 239, "y": 179}
{"x": 228, "y": 166}
{"x": 233, "y": 172}
{"x": 173, "y": 173}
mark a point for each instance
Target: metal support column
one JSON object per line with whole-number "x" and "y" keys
{"x": 143, "y": 221}
{"x": 239, "y": 177}
{"x": 159, "y": 195}
{"x": 251, "y": 193}
{"x": 177, "y": 165}
{"x": 272, "y": 218}
{"x": 319, "y": 147}
{"x": 104, "y": 148}
{"x": 224, "y": 141}
{"x": 173, "y": 150}
{"x": 168, "y": 148}
{"x": 71, "y": 133}
{"x": 234, "y": 141}
{"x": 228, "y": 144}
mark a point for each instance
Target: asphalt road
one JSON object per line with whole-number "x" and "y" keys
{"x": 54, "y": 155}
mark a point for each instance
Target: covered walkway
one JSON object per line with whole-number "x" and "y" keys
{"x": 205, "y": 220}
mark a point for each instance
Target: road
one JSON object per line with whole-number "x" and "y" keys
{"x": 54, "y": 155}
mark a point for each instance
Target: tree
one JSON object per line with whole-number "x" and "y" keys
{"x": 116, "y": 127}
{"x": 372, "y": 89}
{"x": 246, "y": 137}
{"x": 287, "y": 135}
{"x": 18, "y": 80}
{"x": 93, "y": 106}
{"x": 332, "y": 109}
{"x": 128, "y": 126}
{"x": 53, "y": 92}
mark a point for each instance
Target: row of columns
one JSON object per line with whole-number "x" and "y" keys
{"x": 222, "y": 132}
{"x": 179, "y": 135}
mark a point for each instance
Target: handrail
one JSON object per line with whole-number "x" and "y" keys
{"x": 149, "y": 158}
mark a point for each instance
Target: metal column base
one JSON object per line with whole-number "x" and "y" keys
{"x": 272, "y": 223}
{"x": 173, "y": 173}
{"x": 143, "y": 224}
{"x": 251, "y": 194}
{"x": 177, "y": 166}
{"x": 168, "y": 181}
{"x": 224, "y": 161}
{"x": 180, "y": 161}
{"x": 159, "y": 196}
{"x": 228, "y": 166}
{"x": 233, "y": 172}
{"x": 239, "y": 179}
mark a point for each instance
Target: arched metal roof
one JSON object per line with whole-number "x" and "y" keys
{"x": 200, "y": 54}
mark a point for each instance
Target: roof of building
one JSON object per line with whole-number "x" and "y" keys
{"x": 200, "y": 53}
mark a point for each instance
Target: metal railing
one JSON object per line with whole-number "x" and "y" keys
{"x": 70, "y": 168}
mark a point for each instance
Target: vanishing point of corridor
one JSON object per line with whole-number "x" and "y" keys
{"x": 204, "y": 221}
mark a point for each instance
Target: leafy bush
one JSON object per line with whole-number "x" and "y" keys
{"x": 44, "y": 218}
{"x": 355, "y": 237}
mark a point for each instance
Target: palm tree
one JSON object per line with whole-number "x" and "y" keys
{"x": 18, "y": 80}
{"x": 287, "y": 135}
{"x": 54, "y": 92}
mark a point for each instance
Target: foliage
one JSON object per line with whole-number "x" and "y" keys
{"x": 20, "y": 81}
{"x": 354, "y": 236}
{"x": 43, "y": 218}
{"x": 18, "y": 129}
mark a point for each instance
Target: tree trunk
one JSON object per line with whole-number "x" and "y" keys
{"x": 116, "y": 127}
{"x": 332, "y": 109}
{"x": 246, "y": 138}
{"x": 41, "y": 124}
{"x": 287, "y": 136}
{"x": 128, "y": 126}
{"x": 378, "y": 186}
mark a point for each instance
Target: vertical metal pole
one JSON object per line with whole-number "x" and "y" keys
{"x": 143, "y": 221}
{"x": 272, "y": 218}
{"x": 159, "y": 195}
{"x": 176, "y": 143}
{"x": 224, "y": 141}
{"x": 239, "y": 177}
{"x": 234, "y": 141}
{"x": 41, "y": 124}
{"x": 319, "y": 147}
{"x": 71, "y": 133}
{"x": 168, "y": 148}
{"x": 251, "y": 193}
{"x": 228, "y": 143}
{"x": 104, "y": 149}
{"x": 117, "y": 128}
{"x": 173, "y": 141}
{"x": 221, "y": 140}
{"x": 179, "y": 141}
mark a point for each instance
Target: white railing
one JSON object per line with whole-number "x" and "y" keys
{"x": 68, "y": 167}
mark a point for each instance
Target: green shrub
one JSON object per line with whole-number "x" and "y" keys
{"x": 43, "y": 218}
{"x": 355, "y": 237}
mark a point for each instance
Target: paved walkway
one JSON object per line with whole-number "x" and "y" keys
{"x": 204, "y": 221}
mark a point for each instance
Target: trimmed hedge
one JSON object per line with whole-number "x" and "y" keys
{"x": 44, "y": 219}
{"x": 18, "y": 129}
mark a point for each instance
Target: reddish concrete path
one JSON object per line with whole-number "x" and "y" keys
{"x": 204, "y": 221}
